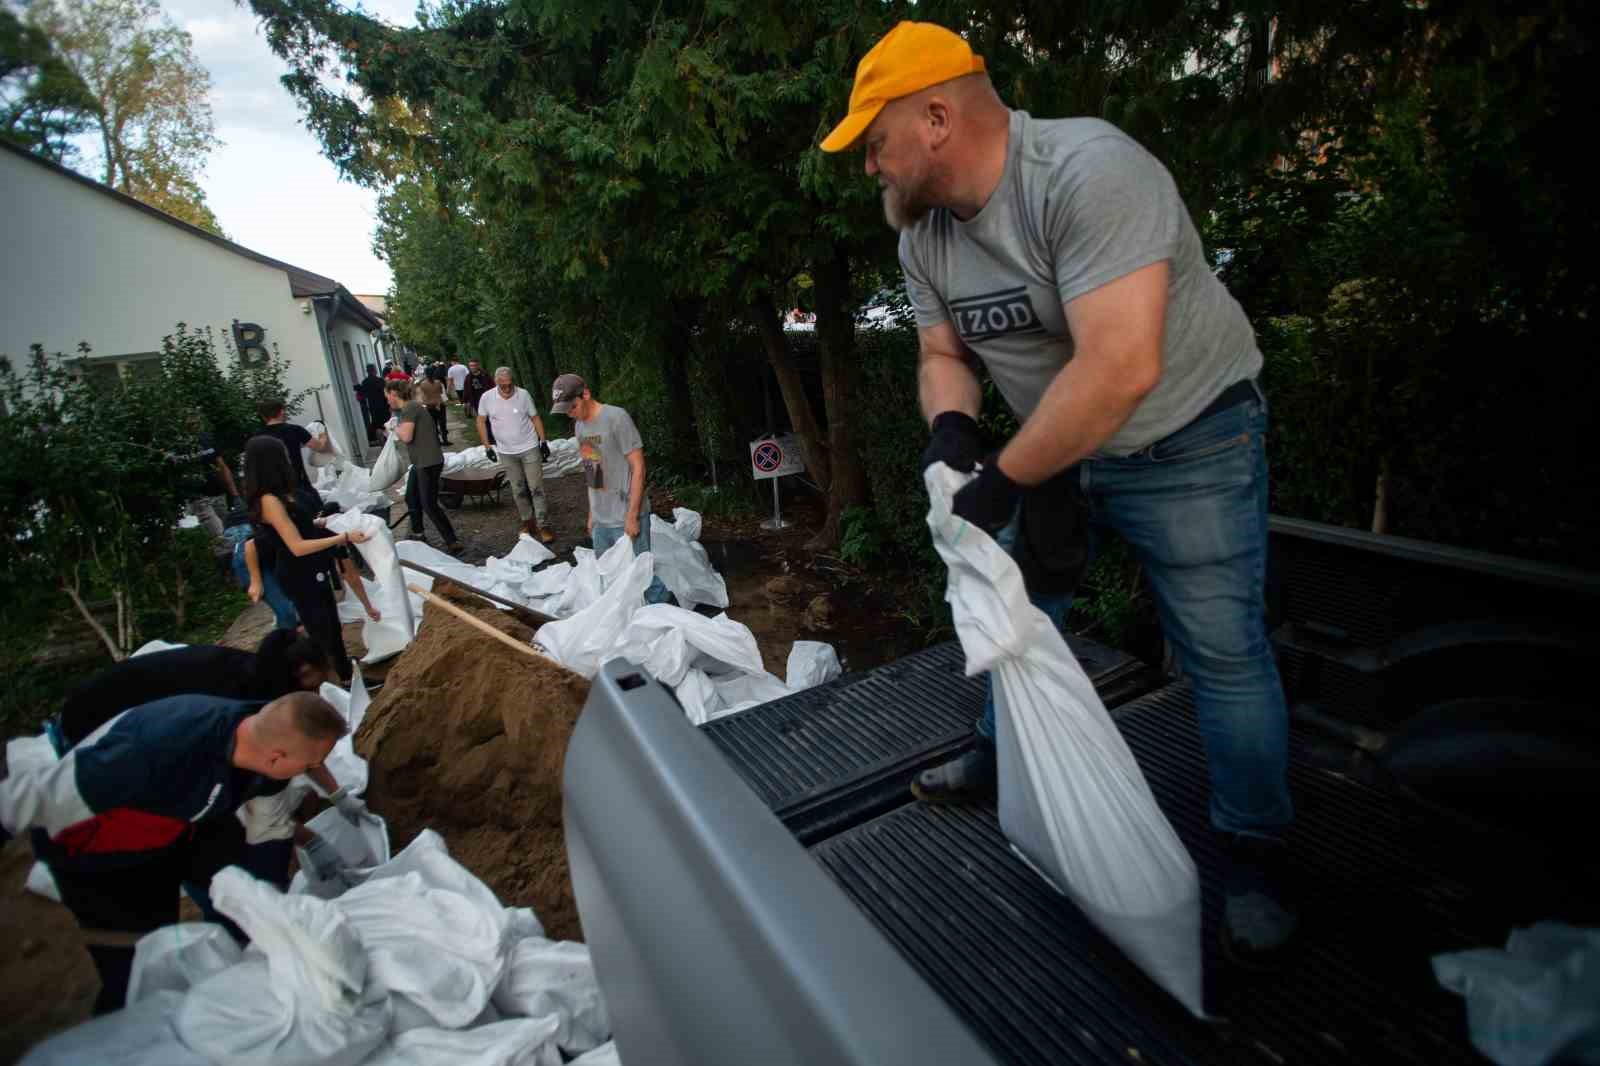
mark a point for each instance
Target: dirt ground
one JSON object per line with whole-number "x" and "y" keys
{"x": 782, "y": 591}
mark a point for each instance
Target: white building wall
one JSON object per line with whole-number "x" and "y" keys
{"x": 78, "y": 265}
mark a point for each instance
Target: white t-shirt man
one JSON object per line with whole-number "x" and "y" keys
{"x": 511, "y": 420}
{"x": 457, "y": 375}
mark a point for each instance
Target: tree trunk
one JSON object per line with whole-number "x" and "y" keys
{"x": 1380, "y": 502}
{"x": 675, "y": 356}
{"x": 116, "y": 653}
{"x": 801, "y": 416}
{"x": 841, "y": 391}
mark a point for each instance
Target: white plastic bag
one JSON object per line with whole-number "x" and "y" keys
{"x": 740, "y": 692}
{"x": 391, "y": 465}
{"x": 396, "y": 624}
{"x": 1534, "y": 1002}
{"x": 360, "y": 848}
{"x": 348, "y": 769}
{"x": 1073, "y": 801}
{"x": 697, "y": 694}
{"x": 811, "y": 663}
{"x": 556, "y": 978}
{"x": 177, "y": 957}
{"x": 517, "y": 1042}
{"x": 682, "y": 563}
{"x": 332, "y": 457}
{"x": 564, "y": 458}
{"x": 141, "y": 1034}
{"x": 582, "y": 642}
{"x": 604, "y": 1055}
{"x": 667, "y": 641}
{"x": 306, "y": 1002}
{"x": 442, "y": 951}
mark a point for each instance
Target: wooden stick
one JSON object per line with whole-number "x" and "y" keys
{"x": 489, "y": 630}
{"x": 535, "y": 619}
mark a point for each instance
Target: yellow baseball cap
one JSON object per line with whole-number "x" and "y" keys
{"x": 909, "y": 58}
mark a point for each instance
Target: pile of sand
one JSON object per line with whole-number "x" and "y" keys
{"x": 467, "y": 738}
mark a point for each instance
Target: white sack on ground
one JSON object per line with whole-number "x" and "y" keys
{"x": 348, "y": 769}
{"x": 360, "y": 848}
{"x": 564, "y": 458}
{"x": 415, "y": 551}
{"x": 474, "y": 458}
{"x": 139, "y": 1035}
{"x": 177, "y": 957}
{"x": 429, "y": 857}
{"x": 546, "y": 978}
{"x": 521, "y": 923}
{"x": 518, "y": 1042}
{"x": 397, "y": 622}
{"x": 740, "y": 692}
{"x": 582, "y": 642}
{"x": 391, "y": 465}
{"x": 441, "y": 950}
{"x": 306, "y": 1002}
{"x": 811, "y": 663}
{"x": 682, "y": 563}
{"x": 1073, "y": 800}
{"x": 697, "y": 694}
{"x": 1537, "y": 1001}
{"x": 348, "y": 486}
{"x": 667, "y": 641}
{"x": 583, "y": 584}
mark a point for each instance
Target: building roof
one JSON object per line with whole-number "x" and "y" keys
{"x": 377, "y": 303}
{"x": 302, "y": 283}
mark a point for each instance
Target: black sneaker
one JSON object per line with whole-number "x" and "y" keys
{"x": 1259, "y": 909}
{"x": 968, "y": 778}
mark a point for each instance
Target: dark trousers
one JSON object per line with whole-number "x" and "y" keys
{"x": 422, "y": 495}
{"x": 142, "y": 898}
{"x": 439, "y": 424}
{"x": 319, "y": 613}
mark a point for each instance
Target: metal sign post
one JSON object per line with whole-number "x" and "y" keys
{"x": 772, "y": 458}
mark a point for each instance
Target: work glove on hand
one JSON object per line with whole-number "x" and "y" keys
{"x": 988, "y": 501}
{"x": 544, "y": 451}
{"x": 957, "y": 442}
{"x": 352, "y": 807}
{"x": 324, "y": 860}
{"x": 490, "y": 452}
{"x": 1052, "y": 547}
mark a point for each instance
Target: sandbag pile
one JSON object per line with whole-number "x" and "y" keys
{"x": 417, "y": 963}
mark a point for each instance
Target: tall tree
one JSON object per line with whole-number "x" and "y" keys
{"x": 43, "y": 103}
{"x": 150, "y": 93}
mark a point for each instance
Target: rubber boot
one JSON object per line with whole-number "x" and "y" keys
{"x": 1260, "y": 913}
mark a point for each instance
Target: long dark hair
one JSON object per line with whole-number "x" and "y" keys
{"x": 266, "y": 473}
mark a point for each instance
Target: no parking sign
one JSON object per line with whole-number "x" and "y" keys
{"x": 775, "y": 457}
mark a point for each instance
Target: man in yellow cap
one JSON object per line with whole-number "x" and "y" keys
{"x": 1059, "y": 253}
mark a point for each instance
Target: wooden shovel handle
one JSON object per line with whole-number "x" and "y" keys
{"x": 487, "y": 629}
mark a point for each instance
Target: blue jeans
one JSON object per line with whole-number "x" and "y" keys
{"x": 282, "y": 609}
{"x": 604, "y": 537}
{"x": 1194, "y": 509}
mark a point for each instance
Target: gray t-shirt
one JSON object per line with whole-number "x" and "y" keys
{"x": 603, "y": 446}
{"x": 1079, "y": 205}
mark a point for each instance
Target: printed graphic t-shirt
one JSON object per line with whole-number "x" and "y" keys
{"x": 603, "y": 446}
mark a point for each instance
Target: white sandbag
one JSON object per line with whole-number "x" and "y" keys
{"x": 396, "y": 623}
{"x": 1537, "y": 1001}
{"x": 604, "y": 1055}
{"x": 474, "y": 458}
{"x": 391, "y": 465}
{"x": 583, "y": 584}
{"x": 811, "y": 663}
{"x": 41, "y": 882}
{"x": 667, "y": 641}
{"x": 334, "y": 456}
{"x": 429, "y": 857}
{"x": 582, "y": 642}
{"x": 307, "y": 1002}
{"x": 564, "y": 458}
{"x": 1073, "y": 801}
{"x": 350, "y": 487}
{"x": 26, "y": 754}
{"x": 687, "y": 523}
{"x": 177, "y": 957}
{"x": 350, "y": 609}
{"x": 141, "y": 1034}
{"x": 546, "y": 978}
{"x": 697, "y": 695}
{"x": 153, "y": 646}
{"x": 682, "y": 563}
{"x": 348, "y": 769}
{"x": 415, "y": 551}
{"x": 550, "y": 581}
{"x": 517, "y": 1042}
{"x": 360, "y": 848}
{"x": 521, "y": 923}
{"x": 740, "y": 692}
{"x": 518, "y": 566}
{"x": 439, "y": 950}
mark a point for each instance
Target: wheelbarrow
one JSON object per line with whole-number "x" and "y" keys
{"x": 455, "y": 489}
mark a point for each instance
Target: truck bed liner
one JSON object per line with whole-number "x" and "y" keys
{"x": 1387, "y": 884}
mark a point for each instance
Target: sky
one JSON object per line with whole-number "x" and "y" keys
{"x": 268, "y": 183}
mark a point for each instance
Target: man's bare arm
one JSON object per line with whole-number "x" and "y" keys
{"x": 1117, "y": 331}
{"x": 945, "y": 381}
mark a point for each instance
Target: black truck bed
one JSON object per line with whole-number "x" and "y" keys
{"x": 1387, "y": 883}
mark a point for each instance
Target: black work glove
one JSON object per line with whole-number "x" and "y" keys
{"x": 493, "y": 458}
{"x": 1052, "y": 548}
{"x": 988, "y": 501}
{"x": 957, "y": 442}
{"x": 544, "y": 451}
